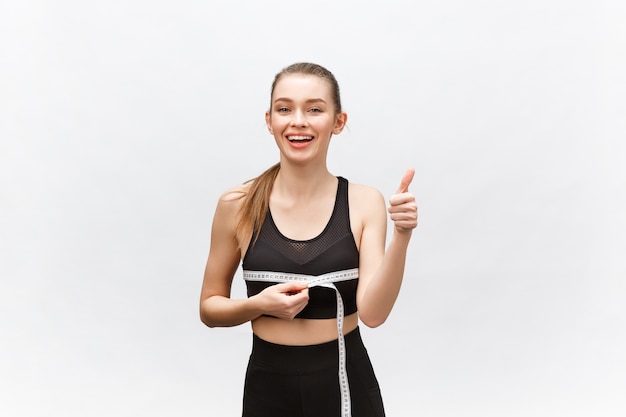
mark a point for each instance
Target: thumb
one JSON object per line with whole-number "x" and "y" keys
{"x": 406, "y": 180}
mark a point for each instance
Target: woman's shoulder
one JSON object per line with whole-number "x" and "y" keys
{"x": 365, "y": 198}
{"x": 235, "y": 193}
{"x": 231, "y": 199}
{"x": 364, "y": 192}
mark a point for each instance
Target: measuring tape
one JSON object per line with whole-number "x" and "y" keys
{"x": 327, "y": 281}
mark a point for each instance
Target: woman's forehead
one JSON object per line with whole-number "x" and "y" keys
{"x": 301, "y": 85}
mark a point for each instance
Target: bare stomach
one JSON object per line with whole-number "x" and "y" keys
{"x": 300, "y": 332}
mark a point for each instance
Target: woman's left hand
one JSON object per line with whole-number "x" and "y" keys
{"x": 402, "y": 206}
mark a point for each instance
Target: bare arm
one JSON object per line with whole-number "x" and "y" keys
{"x": 381, "y": 271}
{"x": 217, "y": 309}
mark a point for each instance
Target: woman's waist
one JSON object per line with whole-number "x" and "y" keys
{"x": 301, "y": 332}
{"x": 299, "y": 360}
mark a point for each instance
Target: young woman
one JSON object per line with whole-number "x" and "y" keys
{"x": 315, "y": 259}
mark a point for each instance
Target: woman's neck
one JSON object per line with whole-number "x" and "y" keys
{"x": 303, "y": 183}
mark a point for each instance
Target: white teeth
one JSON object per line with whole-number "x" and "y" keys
{"x": 300, "y": 137}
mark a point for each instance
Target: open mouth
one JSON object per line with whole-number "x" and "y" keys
{"x": 298, "y": 138}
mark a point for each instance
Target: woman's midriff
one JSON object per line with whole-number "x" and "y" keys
{"x": 301, "y": 332}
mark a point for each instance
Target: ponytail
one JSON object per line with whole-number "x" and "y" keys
{"x": 256, "y": 203}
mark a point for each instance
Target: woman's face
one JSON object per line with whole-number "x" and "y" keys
{"x": 303, "y": 118}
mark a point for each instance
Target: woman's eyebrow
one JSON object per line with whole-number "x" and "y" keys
{"x": 311, "y": 100}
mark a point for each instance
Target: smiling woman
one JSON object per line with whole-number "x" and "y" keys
{"x": 302, "y": 110}
{"x": 312, "y": 249}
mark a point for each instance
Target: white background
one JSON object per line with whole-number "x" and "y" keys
{"x": 121, "y": 122}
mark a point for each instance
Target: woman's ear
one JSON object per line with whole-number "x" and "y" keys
{"x": 340, "y": 123}
{"x": 268, "y": 121}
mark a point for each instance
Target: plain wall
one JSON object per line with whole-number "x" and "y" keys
{"x": 121, "y": 122}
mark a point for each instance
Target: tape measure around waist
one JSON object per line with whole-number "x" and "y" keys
{"x": 327, "y": 281}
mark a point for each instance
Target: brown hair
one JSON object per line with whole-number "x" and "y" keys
{"x": 254, "y": 208}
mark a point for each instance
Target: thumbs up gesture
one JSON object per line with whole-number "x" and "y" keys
{"x": 402, "y": 206}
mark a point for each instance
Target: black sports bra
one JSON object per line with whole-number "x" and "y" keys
{"x": 332, "y": 253}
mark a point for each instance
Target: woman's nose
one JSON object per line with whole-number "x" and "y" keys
{"x": 299, "y": 119}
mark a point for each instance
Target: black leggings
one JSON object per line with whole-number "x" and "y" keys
{"x": 303, "y": 381}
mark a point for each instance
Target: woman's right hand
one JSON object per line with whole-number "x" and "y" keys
{"x": 284, "y": 300}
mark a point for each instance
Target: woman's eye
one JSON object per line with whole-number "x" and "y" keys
{"x": 316, "y": 110}
{"x": 282, "y": 109}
